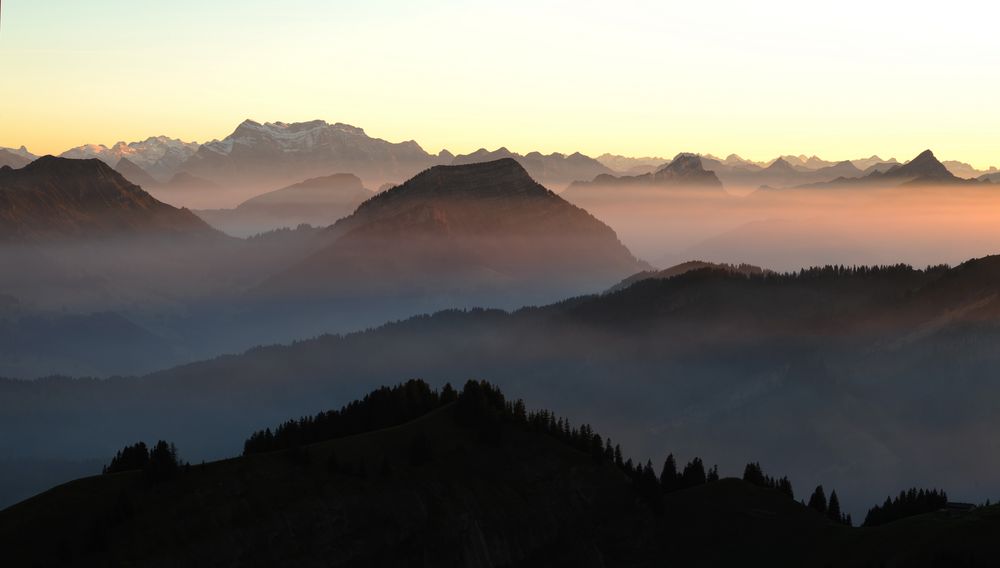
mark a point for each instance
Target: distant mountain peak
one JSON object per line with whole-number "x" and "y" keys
{"x": 65, "y": 198}
{"x": 925, "y": 165}
{"x": 498, "y": 178}
{"x": 50, "y": 163}
{"x": 780, "y": 165}
{"x": 686, "y": 169}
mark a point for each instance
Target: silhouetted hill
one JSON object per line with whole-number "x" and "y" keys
{"x": 473, "y": 480}
{"x": 685, "y": 267}
{"x": 457, "y": 229}
{"x": 64, "y": 198}
{"x": 317, "y": 201}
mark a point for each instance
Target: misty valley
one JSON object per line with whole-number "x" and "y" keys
{"x": 301, "y": 345}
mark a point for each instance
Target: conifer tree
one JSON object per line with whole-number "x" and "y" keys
{"x": 833, "y": 508}
{"x": 693, "y": 474}
{"x": 669, "y": 479}
{"x": 713, "y": 474}
{"x": 818, "y": 500}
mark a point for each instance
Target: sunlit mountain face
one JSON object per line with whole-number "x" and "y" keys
{"x": 531, "y": 284}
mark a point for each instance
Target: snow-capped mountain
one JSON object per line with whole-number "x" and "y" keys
{"x": 158, "y": 156}
{"x": 276, "y": 153}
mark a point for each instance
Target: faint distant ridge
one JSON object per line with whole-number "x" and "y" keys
{"x": 554, "y": 171}
{"x": 64, "y": 198}
{"x": 686, "y": 170}
{"x": 16, "y": 157}
{"x": 689, "y": 266}
{"x": 317, "y": 201}
{"x": 924, "y": 169}
{"x": 629, "y": 165}
{"x": 135, "y": 174}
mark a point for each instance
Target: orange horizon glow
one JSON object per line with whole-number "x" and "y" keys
{"x": 640, "y": 79}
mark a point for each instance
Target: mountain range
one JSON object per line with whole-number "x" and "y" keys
{"x": 278, "y": 153}
{"x": 257, "y": 157}
{"x": 924, "y": 169}
{"x": 554, "y": 171}
{"x": 158, "y": 156}
{"x": 684, "y": 172}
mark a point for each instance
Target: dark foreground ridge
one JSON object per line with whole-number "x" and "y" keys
{"x": 471, "y": 480}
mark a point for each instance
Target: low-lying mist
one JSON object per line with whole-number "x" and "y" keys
{"x": 787, "y": 229}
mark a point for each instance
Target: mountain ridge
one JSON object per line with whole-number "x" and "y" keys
{"x": 62, "y": 197}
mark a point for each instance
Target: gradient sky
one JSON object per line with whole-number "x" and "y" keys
{"x": 840, "y": 79}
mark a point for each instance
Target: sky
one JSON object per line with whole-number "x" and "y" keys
{"x": 839, "y": 79}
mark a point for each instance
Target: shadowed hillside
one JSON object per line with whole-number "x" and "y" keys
{"x": 411, "y": 476}
{"x": 54, "y": 198}
{"x": 461, "y": 230}
{"x": 868, "y": 363}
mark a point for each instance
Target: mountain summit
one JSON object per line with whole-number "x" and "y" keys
{"x": 925, "y": 165}
{"x": 554, "y": 171}
{"x": 454, "y": 230}
{"x": 273, "y": 154}
{"x": 60, "y": 197}
{"x": 685, "y": 171}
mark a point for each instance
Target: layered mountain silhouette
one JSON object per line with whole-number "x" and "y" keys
{"x": 63, "y": 198}
{"x": 318, "y": 201}
{"x": 683, "y": 172}
{"x": 158, "y": 156}
{"x": 924, "y": 169}
{"x": 554, "y": 171}
{"x": 482, "y": 226}
{"x": 274, "y": 154}
{"x": 710, "y": 358}
{"x": 685, "y": 267}
{"x": 782, "y": 172}
{"x": 632, "y": 166}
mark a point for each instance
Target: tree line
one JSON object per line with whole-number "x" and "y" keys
{"x": 482, "y": 407}
{"x": 907, "y": 504}
{"x": 157, "y": 464}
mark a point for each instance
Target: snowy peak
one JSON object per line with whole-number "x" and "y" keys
{"x": 264, "y": 155}
{"x": 157, "y": 155}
